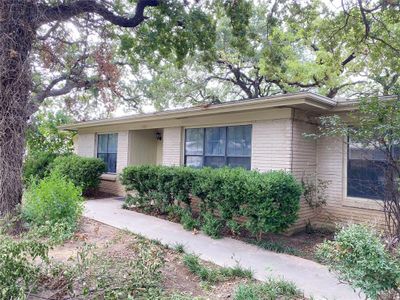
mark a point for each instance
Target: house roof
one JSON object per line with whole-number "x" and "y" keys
{"x": 303, "y": 100}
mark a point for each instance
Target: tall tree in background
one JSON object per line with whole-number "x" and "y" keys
{"x": 53, "y": 48}
{"x": 43, "y": 135}
{"x": 284, "y": 46}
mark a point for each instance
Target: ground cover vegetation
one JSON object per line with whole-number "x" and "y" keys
{"x": 103, "y": 262}
{"x": 266, "y": 202}
{"x": 360, "y": 257}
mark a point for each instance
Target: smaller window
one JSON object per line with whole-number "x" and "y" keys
{"x": 107, "y": 150}
{"x": 365, "y": 171}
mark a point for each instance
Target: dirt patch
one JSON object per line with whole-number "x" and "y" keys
{"x": 176, "y": 278}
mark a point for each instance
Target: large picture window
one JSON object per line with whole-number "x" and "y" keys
{"x": 218, "y": 146}
{"x": 365, "y": 171}
{"x": 107, "y": 150}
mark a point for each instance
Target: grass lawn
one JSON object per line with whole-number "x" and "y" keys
{"x": 102, "y": 262}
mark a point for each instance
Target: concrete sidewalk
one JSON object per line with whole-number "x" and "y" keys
{"x": 314, "y": 279}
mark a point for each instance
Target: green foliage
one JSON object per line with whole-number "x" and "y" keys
{"x": 84, "y": 172}
{"x": 234, "y": 226}
{"x": 359, "y": 257}
{"x": 264, "y": 48}
{"x": 18, "y": 271}
{"x": 37, "y": 166}
{"x": 55, "y": 233}
{"x": 53, "y": 205}
{"x": 375, "y": 125}
{"x": 188, "y": 221}
{"x": 314, "y": 192}
{"x": 211, "y": 275}
{"x": 180, "y": 248}
{"x": 43, "y": 135}
{"x": 158, "y": 187}
{"x": 211, "y": 225}
{"x": 270, "y": 290}
{"x": 268, "y": 201}
{"x": 93, "y": 272}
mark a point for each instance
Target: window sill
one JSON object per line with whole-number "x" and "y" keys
{"x": 109, "y": 177}
{"x": 363, "y": 203}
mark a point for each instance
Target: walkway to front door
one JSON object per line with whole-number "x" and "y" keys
{"x": 314, "y": 279}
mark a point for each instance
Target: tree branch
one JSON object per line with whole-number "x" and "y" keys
{"x": 63, "y": 12}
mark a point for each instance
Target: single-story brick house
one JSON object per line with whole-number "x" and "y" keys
{"x": 259, "y": 134}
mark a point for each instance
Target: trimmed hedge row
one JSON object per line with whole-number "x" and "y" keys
{"x": 84, "y": 172}
{"x": 269, "y": 202}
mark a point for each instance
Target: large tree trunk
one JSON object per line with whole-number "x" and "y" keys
{"x": 16, "y": 36}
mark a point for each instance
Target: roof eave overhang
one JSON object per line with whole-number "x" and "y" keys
{"x": 304, "y": 100}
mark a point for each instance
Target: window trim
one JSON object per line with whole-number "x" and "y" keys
{"x": 97, "y": 150}
{"x": 225, "y": 156}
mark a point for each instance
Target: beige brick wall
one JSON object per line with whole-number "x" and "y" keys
{"x": 276, "y": 145}
{"x": 123, "y": 150}
{"x": 271, "y": 145}
{"x": 112, "y": 187}
{"x": 331, "y": 166}
{"x": 172, "y": 146}
{"x": 304, "y": 165}
{"x": 86, "y": 144}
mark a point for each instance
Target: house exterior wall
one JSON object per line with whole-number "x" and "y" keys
{"x": 331, "y": 167}
{"x": 172, "y": 146}
{"x": 271, "y": 145}
{"x": 86, "y": 143}
{"x": 124, "y": 142}
{"x": 304, "y": 164}
{"x": 278, "y": 143}
{"x": 143, "y": 147}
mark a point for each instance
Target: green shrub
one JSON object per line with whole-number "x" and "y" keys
{"x": 18, "y": 272}
{"x": 270, "y": 290}
{"x": 55, "y": 233}
{"x": 211, "y": 225}
{"x": 273, "y": 202}
{"x": 192, "y": 262}
{"x": 175, "y": 212}
{"x": 188, "y": 222}
{"x": 52, "y": 200}
{"x": 159, "y": 187}
{"x": 234, "y": 226}
{"x": 84, "y": 172}
{"x": 268, "y": 201}
{"x": 359, "y": 257}
{"x": 37, "y": 166}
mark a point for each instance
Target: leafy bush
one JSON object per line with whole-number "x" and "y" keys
{"x": 37, "y": 166}
{"x": 51, "y": 201}
{"x": 211, "y": 225}
{"x": 192, "y": 262}
{"x": 234, "y": 226}
{"x": 268, "y": 201}
{"x": 84, "y": 172}
{"x": 158, "y": 187}
{"x": 359, "y": 257}
{"x": 270, "y": 290}
{"x": 55, "y": 233}
{"x": 18, "y": 272}
{"x": 188, "y": 222}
